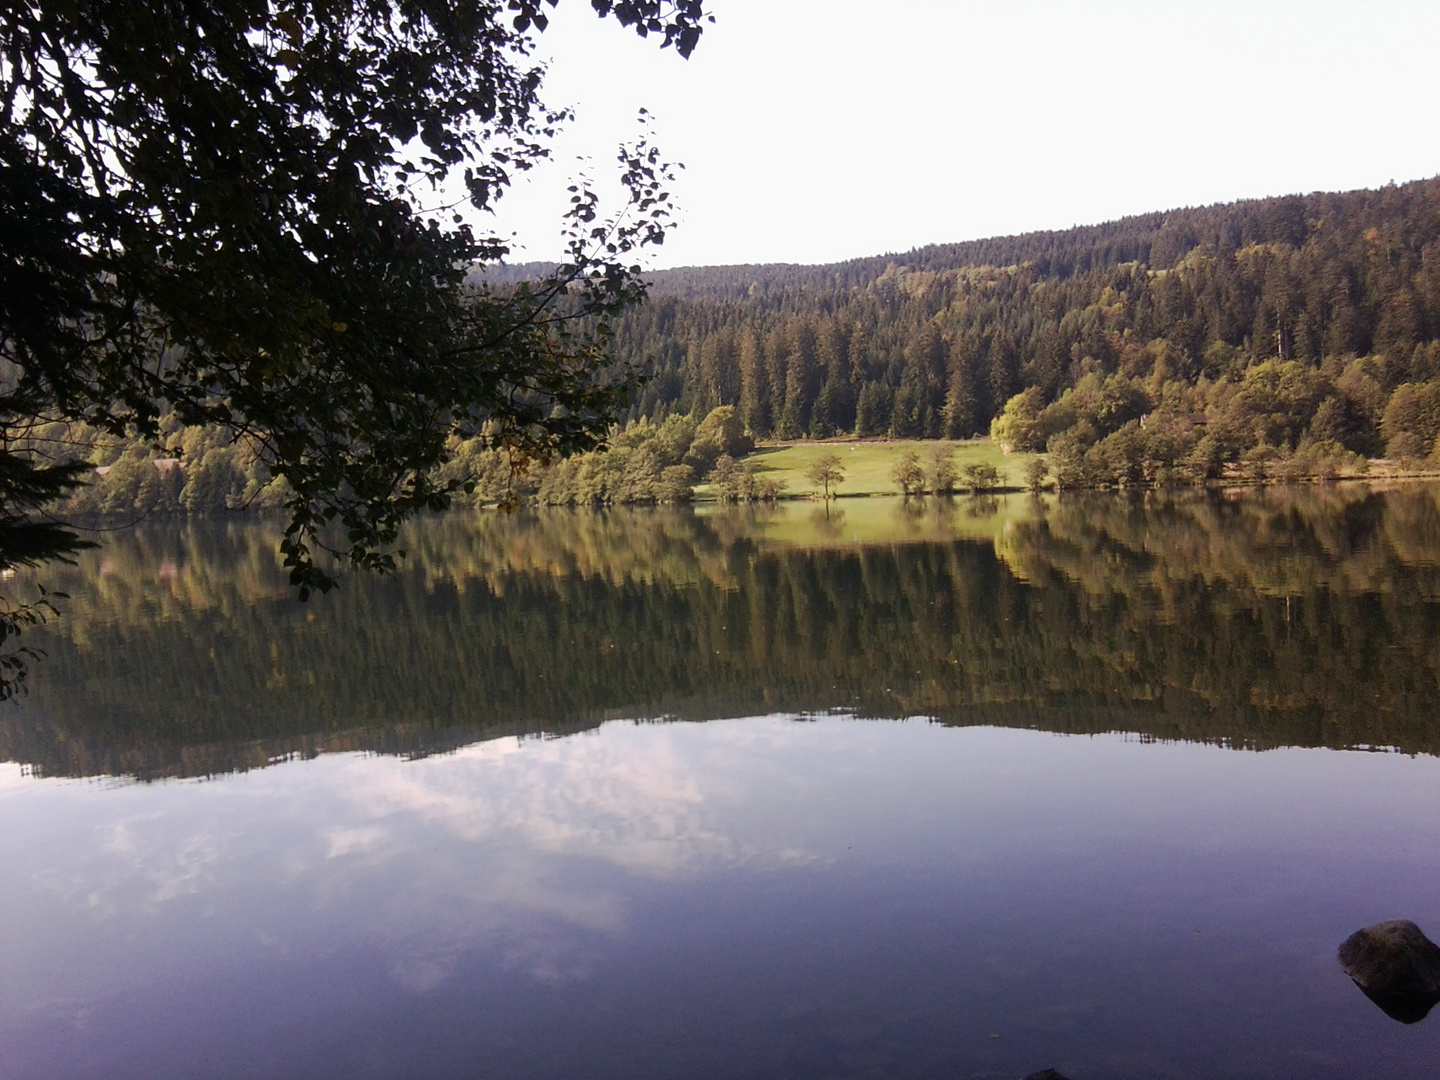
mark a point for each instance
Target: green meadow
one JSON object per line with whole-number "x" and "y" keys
{"x": 868, "y": 465}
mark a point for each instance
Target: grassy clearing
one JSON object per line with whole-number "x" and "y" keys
{"x": 868, "y": 465}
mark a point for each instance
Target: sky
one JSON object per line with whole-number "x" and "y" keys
{"x": 819, "y": 130}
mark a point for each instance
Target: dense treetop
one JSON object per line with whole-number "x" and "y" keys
{"x": 1160, "y": 240}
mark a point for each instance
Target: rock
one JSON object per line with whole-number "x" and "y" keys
{"x": 1396, "y": 966}
{"x": 1045, "y": 1074}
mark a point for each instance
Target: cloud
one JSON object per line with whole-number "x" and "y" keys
{"x": 630, "y": 795}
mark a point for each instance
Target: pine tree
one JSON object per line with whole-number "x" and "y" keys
{"x": 719, "y": 370}
{"x": 926, "y": 353}
{"x": 754, "y": 386}
{"x": 835, "y": 404}
{"x": 962, "y": 401}
{"x": 872, "y": 410}
{"x": 777, "y": 349}
{"x": 1004, "y": 375}
{"x": 860, "y": 356}
{"x": 801, "y": 386}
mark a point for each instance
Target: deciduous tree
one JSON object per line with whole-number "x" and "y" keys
{"x": 943, "y": 470}
{"x": 826, "y": 472}
{"x": 226, "y": 210}
{"x": 909, "y": 474}
{"x": 981, "y": 476}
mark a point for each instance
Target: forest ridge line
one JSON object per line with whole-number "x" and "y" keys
{"x": 1158, "y": 238}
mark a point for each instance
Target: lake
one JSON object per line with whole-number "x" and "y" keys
{"x": 951, "y": 788}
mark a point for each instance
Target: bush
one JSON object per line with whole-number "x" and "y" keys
{"x": 721, "y": 432}
{"x": 1035, "y": 473}
{"x": 943, "y": 470}
{"x": 981, "y": 476}
{"x": 909, "y": 474}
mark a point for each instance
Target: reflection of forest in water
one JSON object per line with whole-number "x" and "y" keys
{"x": 1301, "y": 616}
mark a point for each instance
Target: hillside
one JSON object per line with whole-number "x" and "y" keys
{"x": 1160, "y": 240}
{"x": 1242, "y": 332}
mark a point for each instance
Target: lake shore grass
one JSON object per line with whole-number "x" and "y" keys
{"x": 868, "y": 464}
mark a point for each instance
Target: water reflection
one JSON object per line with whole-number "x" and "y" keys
{"x": 1404, "y": 1008}
{"x": 800, "y": 892}
{"x": 743, "y": 898}
{"x": 1282, "y": 617}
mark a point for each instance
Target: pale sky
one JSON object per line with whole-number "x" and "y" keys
{"x": 820, "y": 130}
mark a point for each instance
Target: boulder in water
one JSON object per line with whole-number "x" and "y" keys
{"x": 1396, "y": 966}
{"x": 1045, "y": 1074}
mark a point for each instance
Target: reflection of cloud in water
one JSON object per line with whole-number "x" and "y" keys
{"x": 347, "y": 841}
{"x": 640, "y": 799}
{"x": 117, "y": 838}
{"x": 513, "y": 856}
{"x": 188, "y": 870}
{"x": 627, "y": 796}
{"x": 135, "y": 867}
{"x": 14, "y": 778}
{"x": 419, "y": 974}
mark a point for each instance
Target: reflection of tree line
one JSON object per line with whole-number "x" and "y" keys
{"x": 1303, "y": 617}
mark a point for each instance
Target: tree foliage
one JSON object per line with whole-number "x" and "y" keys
{"x": 1035, "y": 473}
{"x": 825, "y": 473}
{"x": 943, "y": 470}
{"x": 225, "y": 212}
{"x": 981, "y": 476}
{"x": 909, "y": 474}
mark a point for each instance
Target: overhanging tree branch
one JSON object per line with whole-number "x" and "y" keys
{"x": 218, "y": 215}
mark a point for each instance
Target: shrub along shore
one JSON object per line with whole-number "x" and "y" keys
{"x": 682, "y": 458}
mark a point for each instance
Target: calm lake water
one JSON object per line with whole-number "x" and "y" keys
{"x": 954, "y": 789}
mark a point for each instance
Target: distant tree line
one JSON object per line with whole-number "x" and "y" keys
{"x": 1301, "y": 330}
{"x": 188, "y": 469}
{"x": 204, "y": 470}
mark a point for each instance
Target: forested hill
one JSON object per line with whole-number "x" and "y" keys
{"x": 1159, "y": 240}
{"x": 1248, "y": 331}
{"x": 1277, "y": 338}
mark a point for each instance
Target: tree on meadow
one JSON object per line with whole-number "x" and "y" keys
{"x": 826, "y": 473}
{"x": 909, "y": 474}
